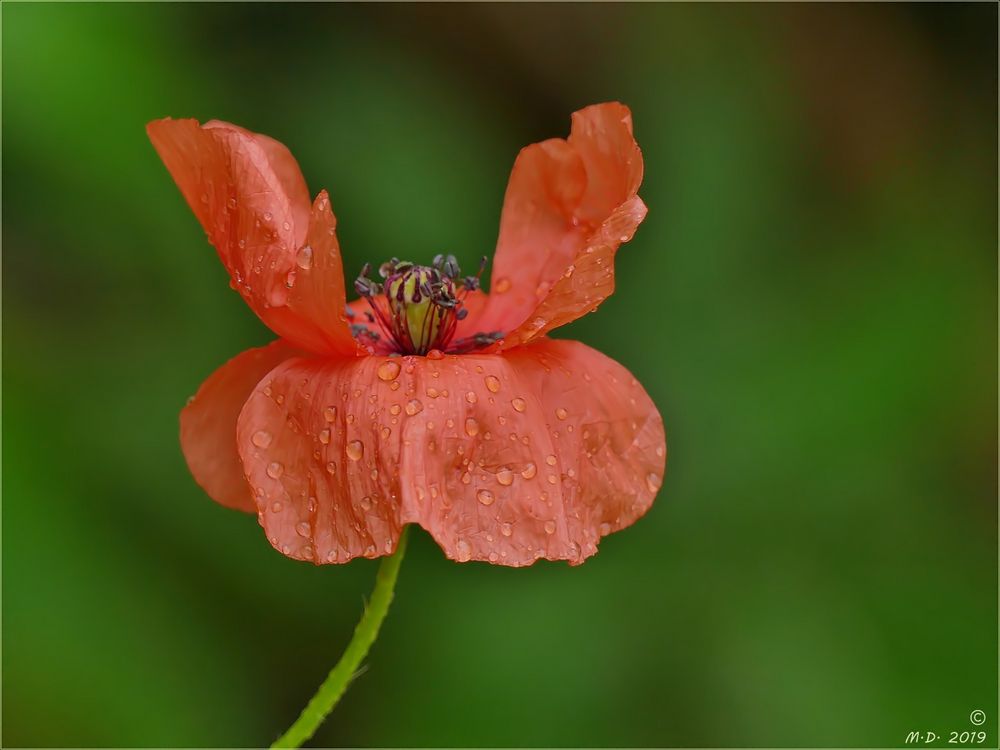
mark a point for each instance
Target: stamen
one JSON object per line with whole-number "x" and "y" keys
{"x": 418, "y": 307}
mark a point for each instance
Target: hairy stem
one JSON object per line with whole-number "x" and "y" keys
{"x": 340, "y": 676}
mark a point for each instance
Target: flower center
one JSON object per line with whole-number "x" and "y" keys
{"x": 418, "y": 307}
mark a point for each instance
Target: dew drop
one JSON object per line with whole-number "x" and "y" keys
{"x": 519, "y": 404}
{"x": 550, "y": 527}
{"x": 355, "y": 450}
{"x": 395, "y": 409}
{"x": 331, "y": 467}
{"x": 462, "y": 551}
{"x": 529, "y": 471}
{"x": 302, "y": 529}
{"x": 492, "y": 383}
{"x": 413, "y": 406}
{"x": 366, "y": 503}
{"x": 388, "y": 370}
{"x": 506, "y": 529}
{"x": 561, "y": 413}
{"x": 275, "y": 470}
{"x": 550, "y": 460}
{"x": 471, "y": 397}
{"x": 304, "y": 258}
{"x": 502, "y": 285}
{"x": 485, "y": 497}
{"x": 505, "y": 476}
{"x": 330, "y": 413}
{"x": 432, "y": 393}
{"x": 471, "y": 427}
{"x": 552, "y": 479}
{"x": 324, "y": 437}
{"x": 261, "y": 438}
{"x": 605, "y": 528}
{"x": 653, "y": 481}
{"x": 435, "y": 354}
{"x": 276, "y": 507}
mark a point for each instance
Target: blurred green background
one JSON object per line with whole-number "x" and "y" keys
{"x": 811, "y": 302}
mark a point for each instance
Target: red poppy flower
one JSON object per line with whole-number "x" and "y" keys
{"x": 426, "y": 401}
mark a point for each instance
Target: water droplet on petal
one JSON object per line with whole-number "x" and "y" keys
{"x": 388, "y": 370}
{"x": 331, "y": 467}
{"x": 413, "y": 406}
{"x": 275, "y": 470}
{"x": 395, "y": 409}
{"x": 304, "y": 258}
{"x": 261, "y": 438}
{"x": 302, "y": 529}
{"x": 529, "y": 471}
{"x": 502, "y": 285}
{"x": 506, "y": 529}
{"x": 505, "y": 476}
{"x": 355, "y": 450}
{"x": 561, "y": 413}
{"x": 276, "y": 507}
{"x": 462, "y": 551}
{"x": 485, "y": 497}
{"x": 493, "y": 383}
{"x": 653, "y": 481}
{"x": 324, "y": 437}
{"x": 366, "y": 503}
{"x": 330, "y": 413}
{"x": 471, "y": 427}
{"x": 471, "y": 397}
{"x": 550, "y": 460}
{"x": 605, "y": 529}
{"x": 550, "y": 527}
{"x": 435, "y": 354}
{"x": 519, "y": 404}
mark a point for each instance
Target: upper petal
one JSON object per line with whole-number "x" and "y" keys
{"x": 249, "y": 195}
{"x": 208, "y": 424}
{"x": 504, "y": 458}
{"x": 569, "y": 205}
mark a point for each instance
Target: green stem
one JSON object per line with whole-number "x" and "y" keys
{"x": 340, "y": 676}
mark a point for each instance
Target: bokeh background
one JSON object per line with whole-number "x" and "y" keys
{"x": 811, "y": 302}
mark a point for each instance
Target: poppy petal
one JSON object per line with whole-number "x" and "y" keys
{"x": 567, "y": 447}
{"x": 249, "y": 195}
{"x": 569, "y": 205}
{"x": 208, "y": 424}
{"x": 319, "y": 440}
{"x": 507, "y": 459}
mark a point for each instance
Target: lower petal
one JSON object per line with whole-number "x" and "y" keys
{"x": 208, "y": 424}
{"x": 503, "y": 458}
